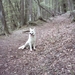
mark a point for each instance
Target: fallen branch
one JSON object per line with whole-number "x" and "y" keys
{"x": 25, "y": 31}
{"x": 32, "y": 23}
{"x": 40, "y": 18}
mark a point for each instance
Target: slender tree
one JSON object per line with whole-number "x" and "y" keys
{"x": 2, "y": 17}
{"x": 26, "y": 11}
{"x": 70, "y": 5}
{"x": 12, "y": 20}
{"x": 30, "y": 10}
{"x": 22, "y": 11}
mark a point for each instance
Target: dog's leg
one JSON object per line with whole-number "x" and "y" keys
{"x": 34, "y": 46}
{"x": 25, "y": 44}
{"x": 30, "y": 46}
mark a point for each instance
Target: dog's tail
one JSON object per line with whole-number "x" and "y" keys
{"x": 22, "y": 47}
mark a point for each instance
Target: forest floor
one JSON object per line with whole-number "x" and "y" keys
{"x": 54, "y": 54}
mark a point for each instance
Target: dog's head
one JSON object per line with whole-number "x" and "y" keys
{"x": 32, "y": 31}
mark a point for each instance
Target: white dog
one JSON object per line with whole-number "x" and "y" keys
{"x": 31, "y": 40}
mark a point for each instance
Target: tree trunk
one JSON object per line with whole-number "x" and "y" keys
{"x": 30, "y": 10}
{"x": 26, "y": 11}
{"x": 22, "y": 12}
{"x": 12, "y": 20}
{"x": 15, "y": 16}
{"x": 39, "y": 11}
{"x": 3, "y": 20}
{"x": 70, "y": 5}
{"x": 64, "y": 6}
{"x": 56, "y": 7}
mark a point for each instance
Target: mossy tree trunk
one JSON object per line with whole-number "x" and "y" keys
{"x": 3, "y": 20}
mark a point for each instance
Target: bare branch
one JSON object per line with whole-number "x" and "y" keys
{"x": 50, "y": 12}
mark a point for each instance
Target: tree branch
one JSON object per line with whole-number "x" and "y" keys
{"x": 50, "y": 12}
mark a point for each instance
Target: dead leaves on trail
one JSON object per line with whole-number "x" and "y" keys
{"x": 54, "y": 55}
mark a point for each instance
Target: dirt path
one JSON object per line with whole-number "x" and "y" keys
{"x": 54, "y": 55}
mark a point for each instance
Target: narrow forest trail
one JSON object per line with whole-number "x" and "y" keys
{"x": 54, "y": 55}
